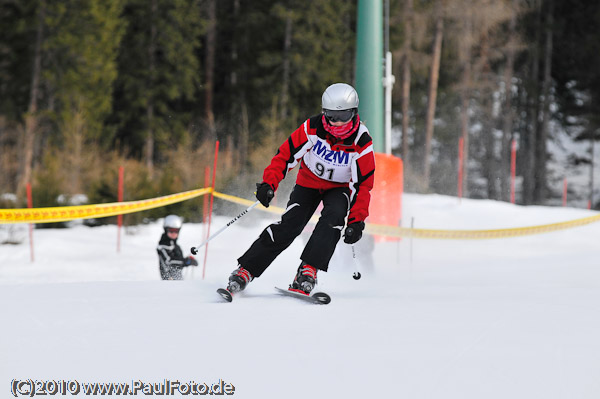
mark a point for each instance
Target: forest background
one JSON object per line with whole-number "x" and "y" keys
{"x": 87, "y": 86}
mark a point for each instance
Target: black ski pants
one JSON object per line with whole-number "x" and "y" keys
{"x": 301, "y": 206}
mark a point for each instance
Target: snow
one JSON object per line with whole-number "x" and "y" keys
{"x": 503, "y": 318}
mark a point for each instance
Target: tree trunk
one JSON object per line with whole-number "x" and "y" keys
{"x": 507, "y": 118}
{"x": 541, "y": 150}
{"x": 74, "y": 134}
{"x": 490, "y": 167}
{"x": 592, "y": 165}
{"x": 149, "y": 146}
{"x": 234, "y": 47}
{"x": 209, "y": 65}
{"x": 244, "y": 139}
{"x": 406, "y": 49}
{"x": 465, "y": 94}
{"x": 533, "y": 108}
{"x": 287, "y": 44}
{"x": 31, "y": 118}
{"x": 432, "y": 93}
{"x": 243, "y": 128}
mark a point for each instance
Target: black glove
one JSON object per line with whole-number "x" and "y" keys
{"x": 190, "y": 261}
{"x": 264, "y": 193}
{"x": 353, "y": 232}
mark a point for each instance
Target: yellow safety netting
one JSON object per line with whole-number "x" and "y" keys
{"x": 394, "y": 231}
{"x": 65, "y": 213}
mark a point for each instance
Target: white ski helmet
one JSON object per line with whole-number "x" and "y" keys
{"x": 172, "y": 222}
{"x": 340, "y": 102}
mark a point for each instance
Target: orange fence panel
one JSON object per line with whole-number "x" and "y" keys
{"x": 386, "y": 196}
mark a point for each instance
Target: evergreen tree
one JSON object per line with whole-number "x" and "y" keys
{"x": 158, "y": 75}
{"x": 576, "y": 63}
{"x": 80, "y": 52}
{"x": 82, "y": 43}
{"x": 287, "y": 52}
{"x": 17, "y": 36}
{"x": 18, "y": 30}
{"x": 132, "y": 75}
{"x": 322, "y": 50}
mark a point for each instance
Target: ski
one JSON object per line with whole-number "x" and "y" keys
{"x": 320, "y": 298}
{"x": 225, "y": 294}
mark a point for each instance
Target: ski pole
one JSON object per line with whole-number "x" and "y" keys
{"x": 356, "y": 275}
{"x": 195, "y": 249}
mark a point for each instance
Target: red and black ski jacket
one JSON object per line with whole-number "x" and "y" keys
{"x": 327, "y": 162}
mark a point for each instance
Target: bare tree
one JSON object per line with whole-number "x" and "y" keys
{"x": 478, "y": 48}
{"x": 287, "y": 44}
{"x": 465, "y": 56}
{"x": 541, "y": 152}
{"x": 489, "y": 166}
{"x": 239, "y": 105}
{"x": 233, "y": 77}
{"x": 149, "y": 145}
{"x": 406, "y": 50}
{"x": 209, "y": 65}
{"x": 507, "y": 113}
{"x": 31, "y": 118}
{"x": 432, "y": 91}
{"x": 73, "y": 159}
{"x": 529, "y": 139}
{"x": 244, "y": 139}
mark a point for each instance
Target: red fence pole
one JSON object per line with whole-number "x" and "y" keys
{"x": 30, "y": 205}
{"x": 461, "y": 144}
{"x": 120, "y": 217}
{"x": 513, "y": 170}
{"x": 211, "y": 207}
{"x": 205, "y": 199}
{"x": 564, "y": 192}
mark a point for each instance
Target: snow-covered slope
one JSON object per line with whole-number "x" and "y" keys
{"x": 510, "y": 318}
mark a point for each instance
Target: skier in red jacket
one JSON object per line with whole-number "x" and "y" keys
{"x": 337, "y": 167}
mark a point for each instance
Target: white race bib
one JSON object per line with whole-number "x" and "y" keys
{"x": 328, "y": 164}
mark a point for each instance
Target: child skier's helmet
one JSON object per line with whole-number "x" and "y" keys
{"x": 172, "y": 222}
{"x": 339, "y": 102}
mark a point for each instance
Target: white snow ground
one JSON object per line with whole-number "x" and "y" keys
{"x": 505, "y": 318}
